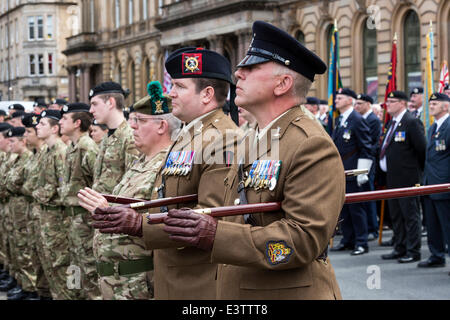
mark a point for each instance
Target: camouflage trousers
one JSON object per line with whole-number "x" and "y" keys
{"x": 2, "y": 232}
{"x": 20, "y": 251}
{"x": 9, "y": 243}
{"x": 5, "y": 237}
{"x": 55, "y": 259}
{"x": 81, "y": 235}
{"x": 138, "y": 286}
{"x": 34, "y": 233}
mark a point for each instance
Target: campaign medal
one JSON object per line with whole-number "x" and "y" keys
{"x": 250, "y": 175}
{"x": 274, "y": 179}
{"x": 400, "y": 136}
{"x": 440, "y": 145}
{"x": 347, "y": 134}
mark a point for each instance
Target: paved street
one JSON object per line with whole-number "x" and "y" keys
{"x": 396, "y": 281}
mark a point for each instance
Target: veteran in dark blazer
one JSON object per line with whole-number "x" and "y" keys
{"x": 364, "y": 106}
{"x": 437, "y": 170}
{"x": 278, "y": 255}
{"x": 402, "y": 157}
{"x": 352, "y": 139}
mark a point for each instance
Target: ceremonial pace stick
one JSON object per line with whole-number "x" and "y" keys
{"x": 156, "y": 218}
{"x": 166, "y": 201}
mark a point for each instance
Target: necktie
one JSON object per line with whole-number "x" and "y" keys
{"x": 388, "y": 138}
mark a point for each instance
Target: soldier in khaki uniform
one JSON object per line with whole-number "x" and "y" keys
{"x": 18, "y": 209}
{"x": 78, "y": 173}
{"x": 201, "y": 81}
{"x": 31, "y": 173}
{"x": 279, "y": 255}
{"x": 153, "y": 129}
{"x": 53, "y": 220}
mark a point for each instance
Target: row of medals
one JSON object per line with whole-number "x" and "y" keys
{"x": 179, "y": 163}
{"x": 263, "y": 174}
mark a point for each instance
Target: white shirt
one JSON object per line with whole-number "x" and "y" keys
{"x": 383, "y": 163}
{"x": 365, "y": 115}
{"x": 345, "y": 115}
{"x": 441, "y": 121}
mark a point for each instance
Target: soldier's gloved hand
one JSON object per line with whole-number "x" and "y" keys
{"x": 187, "y": 226}
{"x": 118, "y": 220}
{"x": 362, "y": 179}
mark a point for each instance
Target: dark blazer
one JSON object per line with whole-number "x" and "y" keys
{"x": 405, "y": 158}
{"x": 375, "y": 132}
{"x": 437, "y": 161}
{"x": 353, "y": 141}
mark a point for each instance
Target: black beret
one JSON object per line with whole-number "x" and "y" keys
{"x": 272, "y": 44}
{"x": 75, "y": 107}
{"x": 190, "y": 62}
{"x": 30, "y": 120}
{"x": 365, "y": 97}
{"x": 324, "y": 102}
{"x": 2, "y": 113}
{"x": 439, "y": 97}
{"x": 312, "y": 100}
{"x": 398, "y": 95}
{"x": 5, "y": 126}
{"x": 418, "y": 90}
{"x": 347, "y": 92}
{"x": 60, "y": 101}
{"x": 40, "y": 104}
{"x": 17, "y": 114}
{"x": 15, "y": 132}
{"x": 16, "y": 106}
{"x": 52, "y": 114}
{"x": 155, "y": 103}
{"x": 107, "y": 87}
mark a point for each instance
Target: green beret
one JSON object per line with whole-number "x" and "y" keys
{"x": 155, "y": 103}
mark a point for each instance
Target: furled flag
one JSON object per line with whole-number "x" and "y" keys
{"x": 334, "y": 79}
{"x": 391, "y": 84}
{"x": 428, "y": 89}
{"x": 443, "y": 78}
{"x": 167, "y": 83}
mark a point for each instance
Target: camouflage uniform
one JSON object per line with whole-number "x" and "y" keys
{"x": 78, "y": 174}
{"x": 32, "y": 172}
{"x": 117, "y": 154}
{"x": 54, "y": 223}
{"x": 18, "y": 209}
{"x": 10, "y": 158}
{"x": 2, "y": 250}
{"x": 120, "y": 248}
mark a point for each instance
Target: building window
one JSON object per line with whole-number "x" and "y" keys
{"x": 49, "y": 27}
{"x": 329, "y": 33}
{"x": 300, "y": 36}
{"x": 411, "y": 45}
{"x": 160, "y": 4}
{"x": 117, "y": 13}
{"x": 92, "y": 15}
{"x": 17, "y": 33}
{"x": 32, "y": 64}
{"x": 40, "y": 27}
{"x": 30, "y": 28}
{"x": 41, "y": 64}
{"x": 144, "y": 10}
{"x": 11, "y": 32}
{"x": 50, "y": 63}
{"x": 130, "y": 11}
{"x": 370, "y": 62}
{"x": 17, "y": 67}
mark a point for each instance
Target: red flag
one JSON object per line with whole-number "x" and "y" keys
{"x": 391, "y": 84}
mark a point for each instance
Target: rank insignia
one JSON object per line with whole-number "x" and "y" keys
{"x": 278, "y": 252}
{"x": 192, "y": 63}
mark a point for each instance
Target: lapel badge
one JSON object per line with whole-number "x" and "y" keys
{"x": 347, "y": 134}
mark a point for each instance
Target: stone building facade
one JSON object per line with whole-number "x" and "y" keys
{"x": 126, "y": 40}
{"x": 32, "y": 37}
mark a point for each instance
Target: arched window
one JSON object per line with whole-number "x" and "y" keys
{"x": 300, "y": 36}
{"x": 411, "y": 45}
{"x": 329, "y": 33}
{"x": 130, "y": 11}
{"x": 370, "y": 61}
{"x": 117, "y": 13}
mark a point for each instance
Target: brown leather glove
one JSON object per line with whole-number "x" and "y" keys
{"x": 195, "y": 229}
{"x": 118, "y": 220}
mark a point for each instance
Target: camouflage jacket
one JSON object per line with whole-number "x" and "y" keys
{"x": 9, "y": 160}
{"x": 32, "y": 171}
{"x": 50, "y": 179}
{"x": 117, "y": 152}
{"x": 137, "y": 182}
{"x": 15, "y": 178}
{"x": 79, "y": 169}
